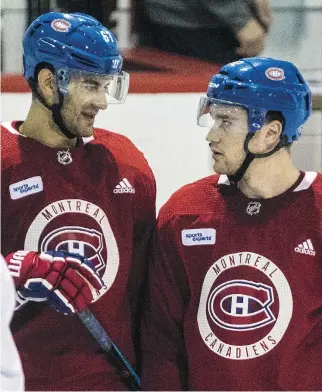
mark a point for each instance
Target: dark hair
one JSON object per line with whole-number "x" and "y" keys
{"x": 273, "y": 115}
{"x": 41, "y": 66}
{"x": 33, "y": 82}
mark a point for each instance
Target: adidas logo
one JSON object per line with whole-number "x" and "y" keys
{"x": 306, "y": 248}
{"x": 124, "y": 187}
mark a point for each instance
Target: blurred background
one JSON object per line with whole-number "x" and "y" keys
{"x": 171, "y": 58}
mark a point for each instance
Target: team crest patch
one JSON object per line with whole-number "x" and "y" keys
{"x": 241, "y": 305}
{"x": 54, "y": 229}
{"x": 245, "y": 306}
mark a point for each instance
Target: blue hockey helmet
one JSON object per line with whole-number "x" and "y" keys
{"x": 260, "y": 85}
{"x": 70, "y": 43}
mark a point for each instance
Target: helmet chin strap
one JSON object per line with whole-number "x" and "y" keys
{"x": 235, "y": 178}
{"x": 55, "y": 109}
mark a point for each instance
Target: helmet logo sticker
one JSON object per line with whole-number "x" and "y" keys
{"x": 60, "y": 25}
{"x": 275, "y": 73}
{"x": 115, "y": 63}
{"x": 211, "y": 84}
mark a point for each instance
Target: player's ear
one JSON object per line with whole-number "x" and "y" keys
{"x": 266, "y": 138}
{"x": 47, "y": 85}
{"x": 273, "y": 132}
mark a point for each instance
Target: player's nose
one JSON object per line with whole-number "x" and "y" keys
{"x": 100, "y": 101}
{"x": 213, "y": 136}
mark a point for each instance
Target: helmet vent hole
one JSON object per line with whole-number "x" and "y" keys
{"x": 35, "y": 29}
{"x": 237, "y": 78}
{"x": 82, "y": 60}
{"x": 228, "y": 86}
{"x": 223, "y": 73}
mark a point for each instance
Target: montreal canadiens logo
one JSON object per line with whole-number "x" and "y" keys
{"x": 80, "y": 240}
{"x": 241, "y": 319}
{"x": 60, "y": 25}
{"x": 275, "y": 73}
{"x": 241, "y": 305}
{"x": 92, "y": 237}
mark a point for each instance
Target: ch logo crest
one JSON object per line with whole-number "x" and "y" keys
{"x": 86, "y": 242}
{"x": 241, "y": 305}
{"x": 53, "y": 229}
{"x": 243, "y": 318}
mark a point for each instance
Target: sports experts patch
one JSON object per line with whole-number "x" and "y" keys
{"x": 192, "y": 237}
{"x": 26, "y": 187}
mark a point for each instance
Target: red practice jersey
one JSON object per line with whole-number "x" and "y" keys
{"x": 97, "y": 200}
{"x": 235, "y": 290}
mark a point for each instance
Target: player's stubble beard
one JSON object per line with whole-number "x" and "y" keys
{"x": 227, "y": 163}
{"x": 77, "y": 123}
{"x": 85, "y": 128}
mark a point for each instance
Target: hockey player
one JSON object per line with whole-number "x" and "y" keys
{"x": 235, "y": 293}
{"x": 68, "y": 187}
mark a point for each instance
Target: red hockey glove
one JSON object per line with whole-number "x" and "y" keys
{"x": 63, "y": 279}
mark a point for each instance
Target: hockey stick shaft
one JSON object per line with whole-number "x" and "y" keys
{"x": 106, "y": 343}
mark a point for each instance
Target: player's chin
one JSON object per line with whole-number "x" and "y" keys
{"x": 85, "y": 131}
{"x": 219, "y": 168}
{"x": 222, "y": 169}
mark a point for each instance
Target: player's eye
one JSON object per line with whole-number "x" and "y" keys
{"x": 106, "y": 88}
{"x": 226, "y": 123}
{"x": 90, "y": 87}
{"x": 222, "y": 122}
